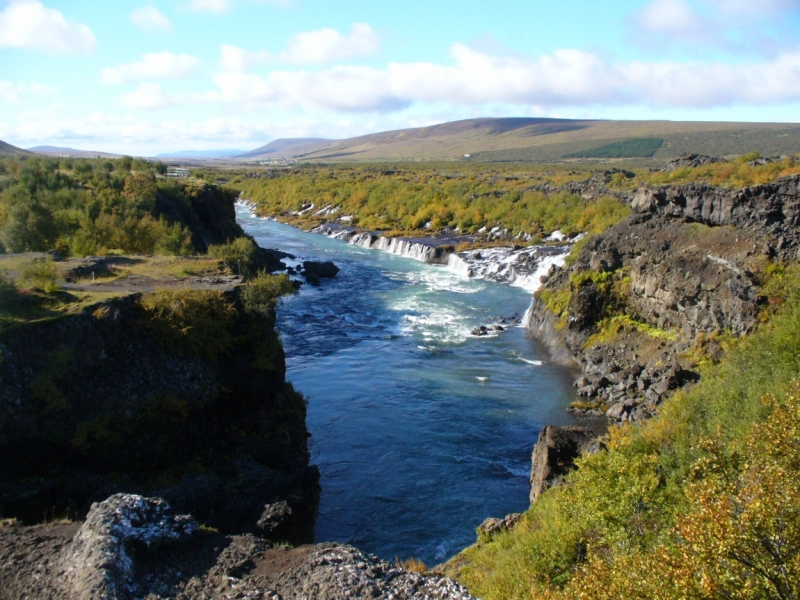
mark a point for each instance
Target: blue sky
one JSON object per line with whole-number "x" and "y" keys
{"x": 150, "y": 76}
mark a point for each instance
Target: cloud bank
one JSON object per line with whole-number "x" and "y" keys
{"x": 29, "y": 25}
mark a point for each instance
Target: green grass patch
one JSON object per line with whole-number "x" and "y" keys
{"x": 632, "y": 148}
{"x": 610, "y": 328}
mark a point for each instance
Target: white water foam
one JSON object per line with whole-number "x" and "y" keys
{"x": 520, "y": 268}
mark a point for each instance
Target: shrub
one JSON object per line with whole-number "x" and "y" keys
{"x": 262, "y": 292}
{"x": 40, "y": 274}
{"x": 691, "y": 504}
{"x": 241, "y": 255}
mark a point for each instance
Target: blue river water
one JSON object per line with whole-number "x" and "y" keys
{"x": 420, "y": 430}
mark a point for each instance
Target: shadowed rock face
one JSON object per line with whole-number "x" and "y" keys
{"x": 555, "y": 453}
{"x": 97, "y": 403}
{"x": 134, "y": 547}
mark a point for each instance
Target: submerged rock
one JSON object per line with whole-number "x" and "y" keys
{"x": 321, "y": 269}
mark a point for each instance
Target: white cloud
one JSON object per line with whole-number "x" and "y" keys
{"x": 749, "y": 8}
{"x": 328, "y": 45}
{"x": 149, "y": 18}
{"x": 148, "y": 96}
{"x": 565, "y": 78}
{"x": 17, "y": 93}
{"x": 159, "y": 65}
{"x": 237, "y": 60}
{"x": 280, "y": 3}
{"x": 30, "y": 25}
{"x": 674, "y": 18}
{"x": 210, "y": 6}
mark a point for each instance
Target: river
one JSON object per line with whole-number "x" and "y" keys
{"x": 419, "y": 429}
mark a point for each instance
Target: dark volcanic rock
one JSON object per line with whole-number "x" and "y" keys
{"x": 95, "y": 404}
{"x": 690, "y": 160}
{"x": 555, "y": 453}
{"x": 686, "y": 263}
{"x": 321, "y": 269}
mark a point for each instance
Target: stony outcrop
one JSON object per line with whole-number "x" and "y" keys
{"x": 771, "y": 209}
{"x": 685, "y": 266}
{"x": 133, "y": 547}
{"x": 555, "y": 453}
{"x": 691, "y": 161}
{"x": 314, "y": 271}
{"x": 100, "y": 561}
{"x": 492, "y": 526}
{"x": 321, "y": 269}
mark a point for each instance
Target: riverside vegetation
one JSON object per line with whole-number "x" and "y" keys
{"x": 518, "y": 198}
{"x": 699, "y": 502}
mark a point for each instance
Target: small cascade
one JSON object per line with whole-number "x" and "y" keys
{"x": 521, "y": 268}
{"x": 418, "y": 249}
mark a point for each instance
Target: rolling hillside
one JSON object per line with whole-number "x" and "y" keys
{"x": 58, "y": 151}
{"x": 285, "y": 148}
{"x": 9, "y": 150}
{"x": 523, "y": 139}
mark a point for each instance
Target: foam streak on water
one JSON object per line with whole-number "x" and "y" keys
{"x": 420, "y": 430}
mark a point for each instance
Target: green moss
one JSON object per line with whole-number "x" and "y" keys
{"x": 610, "y": 328}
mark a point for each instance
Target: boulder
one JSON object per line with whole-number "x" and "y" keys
{"x": 492, "y": 526}
{"x": 555, "y": 453}
{"x": 287, "y": 521}
{"x": 320, "y": 269}
{"x": 101, "y": 560}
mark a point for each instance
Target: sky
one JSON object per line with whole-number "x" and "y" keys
{"x": 153, "y": 76}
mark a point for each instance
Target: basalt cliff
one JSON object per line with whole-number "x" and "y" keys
{"x": 657, "y": 294}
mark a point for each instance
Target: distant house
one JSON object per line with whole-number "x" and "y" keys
{"x": 177, "y": 172}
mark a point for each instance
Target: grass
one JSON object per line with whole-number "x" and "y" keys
{"x": 410, "y": 564}
{"x": 29, "y": 283}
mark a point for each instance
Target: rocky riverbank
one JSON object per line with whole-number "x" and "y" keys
{"x": 654, "y": 296}
{"x": 135, "y": 547}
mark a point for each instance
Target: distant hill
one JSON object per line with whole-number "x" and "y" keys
{"x": 200, "y": 154}
{"x": 58, "y": 151}
{"x": 9, "y": 150}
{"x": 286, "y": 148}
{"x": 539, "y": 139}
